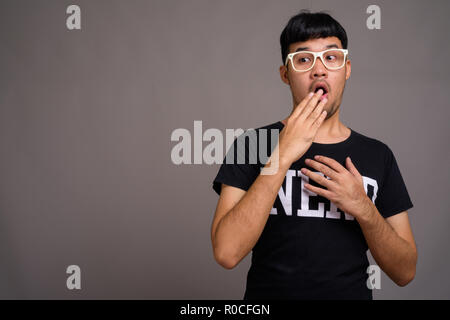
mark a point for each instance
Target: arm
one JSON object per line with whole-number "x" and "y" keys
{"x": 391, "y": 243}
{"x": 241, "y": 216}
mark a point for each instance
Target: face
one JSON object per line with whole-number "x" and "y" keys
{"x": 302, "y": 83}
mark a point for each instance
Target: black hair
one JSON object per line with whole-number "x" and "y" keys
{"x": 307, "y": 25}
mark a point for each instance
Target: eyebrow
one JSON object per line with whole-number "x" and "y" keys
{"x": 327, "y": 47}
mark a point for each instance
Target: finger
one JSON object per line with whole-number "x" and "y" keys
{"x": 326, "y": 170}
{"x": 320, "y": 120}
{"x": 351, "y": 167}
{"x": 320, "y": 191}
{"x": 311, "y": 104}
{"x": 317, "y": 112}
{"x": 296, "y": 112}
{"x": 331, "y": 163}
{"x": 318, "y": 178}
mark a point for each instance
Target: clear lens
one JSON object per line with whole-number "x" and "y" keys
{"x": 302, "y": 61}
{"x": 333, "y": 59}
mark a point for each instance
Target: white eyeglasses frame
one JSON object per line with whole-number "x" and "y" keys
{"x": 319, "y": 54}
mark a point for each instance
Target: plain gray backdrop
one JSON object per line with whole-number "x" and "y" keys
{"x": 86, "y": 117}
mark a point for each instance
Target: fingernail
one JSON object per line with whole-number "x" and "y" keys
{"x": 310, "y": 94}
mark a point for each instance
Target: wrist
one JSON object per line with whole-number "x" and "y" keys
{"x": 285, "y": 162}
{"x": 281, "y": 158}
{"x": 367, "y": 210}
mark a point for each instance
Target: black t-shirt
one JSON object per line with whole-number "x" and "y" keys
{"x": 309, "y": 248}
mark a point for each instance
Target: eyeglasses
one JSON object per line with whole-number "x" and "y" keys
{"x": 332, "y": 59}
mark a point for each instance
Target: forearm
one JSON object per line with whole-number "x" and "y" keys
{"x": 239, "y": 230}
{"x": 392, "y": 253}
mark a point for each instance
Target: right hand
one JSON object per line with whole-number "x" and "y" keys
{"x": 301, "y": 127}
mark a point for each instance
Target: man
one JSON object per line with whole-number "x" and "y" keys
{"x": 336, "y": 192}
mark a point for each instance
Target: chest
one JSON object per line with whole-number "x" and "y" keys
{"x": 293, "y": 199}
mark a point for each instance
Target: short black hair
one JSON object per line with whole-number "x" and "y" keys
{"x": 307, "y": 25}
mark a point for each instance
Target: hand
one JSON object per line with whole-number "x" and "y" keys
{"x": 301, "y": 127}
{"x": 345, "y": 188}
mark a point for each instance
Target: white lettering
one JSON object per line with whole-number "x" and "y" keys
{"x": 374, "y": 20}
{"x": 74, "y": 20}
{"x": 74, "y": 280}
{"x": 374, "y": 279}
{"x": 286, "y": 197}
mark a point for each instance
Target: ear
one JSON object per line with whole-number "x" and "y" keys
{"x": 284, "y": 74}
{"x": 348, "y": 69}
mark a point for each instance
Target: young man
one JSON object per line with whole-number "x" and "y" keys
{"x": 336, "y": 192}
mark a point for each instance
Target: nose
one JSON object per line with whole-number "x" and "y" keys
{"x": 319, "y": 70}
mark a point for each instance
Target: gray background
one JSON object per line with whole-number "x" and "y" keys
{"x": 86, "y": 117}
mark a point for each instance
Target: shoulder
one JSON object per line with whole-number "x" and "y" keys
{"x": 371, "y": 145}
{"x": 266, "y": 131}
{"x": 274, "y": 125}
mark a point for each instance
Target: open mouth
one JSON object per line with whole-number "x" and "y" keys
{"x": 324, "y": 89}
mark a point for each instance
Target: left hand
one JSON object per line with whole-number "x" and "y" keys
{"x": 345, "y": 188}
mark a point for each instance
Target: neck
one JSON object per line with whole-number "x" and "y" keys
{"x": 332, "y": 130}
